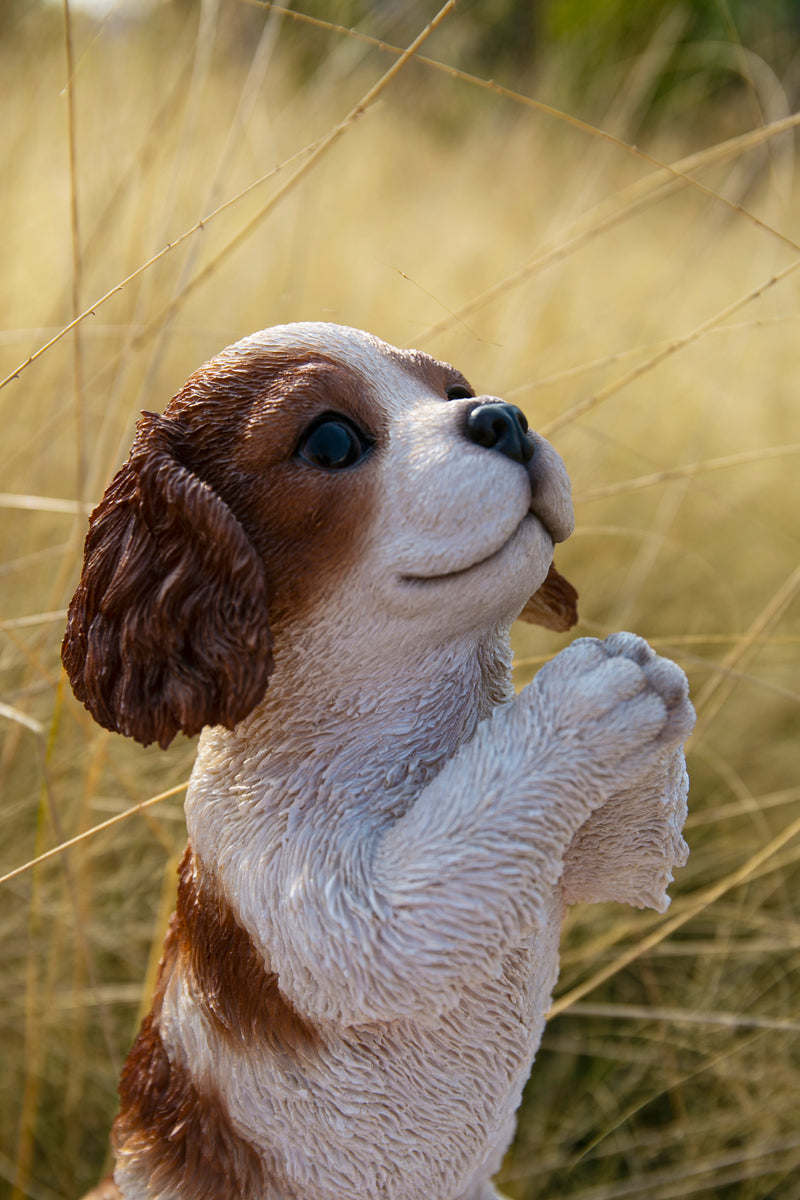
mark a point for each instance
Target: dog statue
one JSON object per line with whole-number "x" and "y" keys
{"x": 314, "y": 556}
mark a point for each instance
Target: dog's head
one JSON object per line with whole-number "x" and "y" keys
{"x": 309, "y": 469}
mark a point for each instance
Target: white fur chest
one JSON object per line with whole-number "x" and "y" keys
{"x": 403, "y": 1110}
{"x": 402, "y": 1091}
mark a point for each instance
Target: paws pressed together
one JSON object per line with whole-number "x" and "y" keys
{"x": 314, "y": 556}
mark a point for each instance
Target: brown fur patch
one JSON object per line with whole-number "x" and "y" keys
{"x": 230, "y": 982}
{"x": 212, "y": 524}
{"x": 554, "y": 605}
{"x": 175, "y": 1129}
{"x": 306, "y": 524}
{"x": 179, "y": 1137}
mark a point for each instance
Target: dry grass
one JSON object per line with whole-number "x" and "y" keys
{"x": 649, "y": 320}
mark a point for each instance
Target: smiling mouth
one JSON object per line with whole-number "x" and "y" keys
{"x": 482, "y": 562}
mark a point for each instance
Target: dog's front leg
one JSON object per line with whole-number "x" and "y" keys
{"x": 374, "y": 925}
{"x": 473, "y": 865}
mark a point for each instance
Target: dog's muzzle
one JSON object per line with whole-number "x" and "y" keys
{"x": 503, "y": 427}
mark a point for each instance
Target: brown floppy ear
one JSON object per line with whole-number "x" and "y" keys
{"x": 554, "y": 605}
{"x": 168, "y": 628}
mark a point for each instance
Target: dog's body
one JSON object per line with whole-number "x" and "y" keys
{"x": 382, "y": 843}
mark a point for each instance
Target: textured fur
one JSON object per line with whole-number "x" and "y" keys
{"x": 382, "y": 841}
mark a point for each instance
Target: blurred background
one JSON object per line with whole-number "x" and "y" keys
{"x": 590, "y": 207}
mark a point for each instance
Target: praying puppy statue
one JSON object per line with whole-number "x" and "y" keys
{"x": 314, "y": 557}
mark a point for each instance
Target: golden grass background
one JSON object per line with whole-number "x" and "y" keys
{"x": 646, "y": 317}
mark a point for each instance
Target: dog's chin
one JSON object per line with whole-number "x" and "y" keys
{"x": 526, "y": 554}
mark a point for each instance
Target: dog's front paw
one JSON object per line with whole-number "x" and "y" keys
{"x": 616, "y": 704}
{"x": 664, "y": 678}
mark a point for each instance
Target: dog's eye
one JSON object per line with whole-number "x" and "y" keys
{"x": 333, "y": 443}
{"x": 457, "y": 391}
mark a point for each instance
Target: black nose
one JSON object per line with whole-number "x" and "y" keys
{"x": 500, "y": 427}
